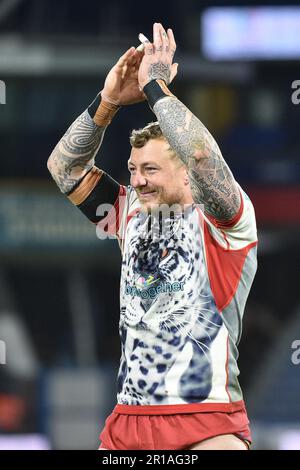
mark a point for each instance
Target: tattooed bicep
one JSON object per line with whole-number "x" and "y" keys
{"x": 214, "y": 186}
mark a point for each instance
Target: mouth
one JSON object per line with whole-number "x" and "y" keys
{"x": 147, "y": 195}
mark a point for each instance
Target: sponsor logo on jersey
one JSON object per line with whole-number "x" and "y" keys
{"x": 148, "y": 286}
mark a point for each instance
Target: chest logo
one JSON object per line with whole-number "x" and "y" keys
{"x": 145, "y": 281}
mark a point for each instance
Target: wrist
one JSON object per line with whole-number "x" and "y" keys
{"x": 106, "y": 97}
{"x": 102, "y": 110}
{"x": 155, "y": 90}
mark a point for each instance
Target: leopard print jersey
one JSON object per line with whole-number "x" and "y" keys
{"x": 168, "y": 315}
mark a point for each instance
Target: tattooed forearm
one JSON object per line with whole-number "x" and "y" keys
{"x": 211, "y": 180}
{"x": 74, "y": 155}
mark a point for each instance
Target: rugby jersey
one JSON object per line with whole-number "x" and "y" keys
{"x": 184, "y": 283}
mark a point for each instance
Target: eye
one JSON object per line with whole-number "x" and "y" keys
{"x": 149, "y": 168}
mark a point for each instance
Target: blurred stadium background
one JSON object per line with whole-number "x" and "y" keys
{"x": 59, "y": 283}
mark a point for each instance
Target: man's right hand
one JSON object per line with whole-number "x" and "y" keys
{"x": 121, "y": 85}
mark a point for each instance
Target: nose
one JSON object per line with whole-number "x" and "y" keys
{"x": 138, "y": 180}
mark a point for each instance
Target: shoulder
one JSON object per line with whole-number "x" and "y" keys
{"x": 239, "y": 231}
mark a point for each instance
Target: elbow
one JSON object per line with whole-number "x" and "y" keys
{"x": 50, "y": 164}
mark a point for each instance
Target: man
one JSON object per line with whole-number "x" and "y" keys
{"x": 186, "y": 272}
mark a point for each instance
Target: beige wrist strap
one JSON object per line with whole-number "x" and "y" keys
{"x": 86, "y": 186}
{"x": 105, "y": 113}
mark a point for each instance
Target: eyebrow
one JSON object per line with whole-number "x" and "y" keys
{"x": 145, "y": 164}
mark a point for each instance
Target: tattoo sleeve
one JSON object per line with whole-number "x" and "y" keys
{"x": 74, "y": 155}
{"x": 211, "y": 180}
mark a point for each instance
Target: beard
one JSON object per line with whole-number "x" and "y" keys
{"x": 161, "y": 203}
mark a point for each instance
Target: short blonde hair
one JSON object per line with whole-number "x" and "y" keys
{"x": 140, "y": 137}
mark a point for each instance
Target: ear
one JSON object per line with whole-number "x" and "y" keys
{"x": 186, "y": 178}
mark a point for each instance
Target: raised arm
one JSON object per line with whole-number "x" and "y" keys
{"x": 74, "y": 155}
{"x": 211, "y": 180}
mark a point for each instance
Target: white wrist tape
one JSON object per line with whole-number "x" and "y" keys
{"x": 142, "y": 39}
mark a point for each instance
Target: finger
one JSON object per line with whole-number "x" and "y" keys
{"x": 138, "y": 54}
{"x": 124, "y": 58}
{"x": 124, "y": 71}
{"x": 172, "y": 43}
{"x": 157, "y": 39}
{"x": 138, "y": 57}
{"x": 164, "y": 38}
{"x": 142, "y": 39}
{"x": 133, "y": 59}
{"x": 149, "y": 48}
